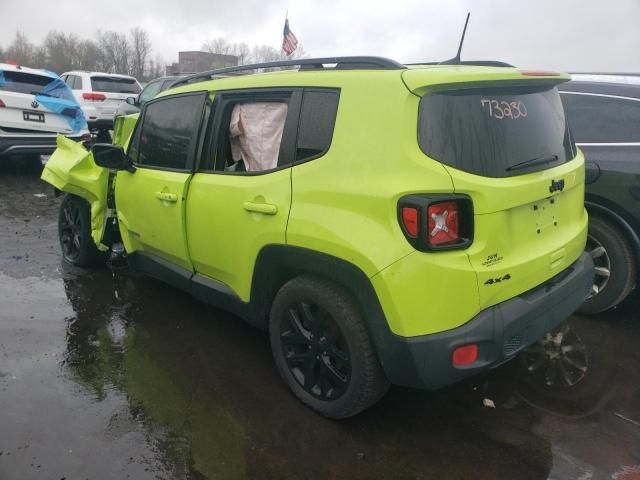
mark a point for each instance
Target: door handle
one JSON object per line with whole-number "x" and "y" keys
{"x": 266, "y": 208}
{"x": 167, "y": 197}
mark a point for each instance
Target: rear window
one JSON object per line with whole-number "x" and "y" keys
{"x": 114, "y": 85}
{"x": 21, "y": 82}
{"x": 496, "y": 132}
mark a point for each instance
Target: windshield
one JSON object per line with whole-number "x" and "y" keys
{"x": 495, "y": 132}
{"x": 114, "y": 85}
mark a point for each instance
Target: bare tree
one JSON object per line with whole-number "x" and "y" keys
{"x": 89, "y": 55}
{"x": 61, "y": 51}
{"x": 115, "y": 51}
{"x": 217, "y": 45}
{"x": 140, "y": 50}
{"x": 21, "y": 50}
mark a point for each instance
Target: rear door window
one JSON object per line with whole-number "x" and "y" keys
{"x": 21, "y": 82}
{"x": 496, "y": 132}
{"x": 114, "y": 85}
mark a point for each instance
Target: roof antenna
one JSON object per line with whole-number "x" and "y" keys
{"x": 456, "y": 60}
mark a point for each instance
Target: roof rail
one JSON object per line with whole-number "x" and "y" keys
{"x": 341, "y": 63}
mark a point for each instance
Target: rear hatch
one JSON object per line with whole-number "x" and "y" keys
{"x": 115, "y": 89}
{"x": 504, "y": 139}
{"x": 22, "y": 109}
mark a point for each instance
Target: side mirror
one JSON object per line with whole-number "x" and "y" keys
{"x": 132, "y": 101}
{"x": 110, "y": 156}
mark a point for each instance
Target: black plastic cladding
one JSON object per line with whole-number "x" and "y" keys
{"x": 422, "y": 202}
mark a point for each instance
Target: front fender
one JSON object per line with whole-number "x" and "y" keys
{"x": 71, "y": 169}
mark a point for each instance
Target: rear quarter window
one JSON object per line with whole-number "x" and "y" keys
{"x": 488, "y": 131}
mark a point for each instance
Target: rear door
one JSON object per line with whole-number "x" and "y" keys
{"x": 20, "y": 110}
{"x": 240, "y": 198}
{"x": 151, "y": 199}
{"x": 509, "y": 148}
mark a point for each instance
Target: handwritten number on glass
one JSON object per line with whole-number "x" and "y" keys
{"x": 500, "y": 109}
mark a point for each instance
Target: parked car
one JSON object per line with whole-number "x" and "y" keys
{"x": 135, "y": 103}
{"x": 358, "y": 231}
{"x": 604, "y": 114}
{"x": 100, "y": 94}
{"x": 35, "y": 105}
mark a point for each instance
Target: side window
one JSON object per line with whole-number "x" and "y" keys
{"x": 602, "y": 119}
{"x": 253, "y": 132}
{"x": 317, "y": 119}
{"x": 168, "y": 134}
{"x": 74, "y": 82}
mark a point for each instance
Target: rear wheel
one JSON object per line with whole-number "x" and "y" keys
{"x": 614, "y": 266}
{"x": 322, "y": 348}
{"x": 74, "y": 232}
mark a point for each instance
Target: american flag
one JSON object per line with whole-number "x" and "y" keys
{"x": 289, "y": 42}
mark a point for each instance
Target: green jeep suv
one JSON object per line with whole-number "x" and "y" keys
{"x": 385, "y": 223}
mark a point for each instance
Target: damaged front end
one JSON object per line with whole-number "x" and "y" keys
{"x": 71, "y": 169}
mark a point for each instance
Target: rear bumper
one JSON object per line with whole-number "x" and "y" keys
{"x": 25, "y": 144}
{"x": 500, "y": 332}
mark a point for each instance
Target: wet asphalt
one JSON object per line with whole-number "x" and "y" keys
{"x": 105, "y": 377}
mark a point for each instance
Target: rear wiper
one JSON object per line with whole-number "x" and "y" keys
{"x": 532, "y": 162}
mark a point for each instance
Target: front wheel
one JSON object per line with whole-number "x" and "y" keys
{"x": 614, "y": 266}
{"x": 74, "y": 232}
{"x": 322, "y": 348}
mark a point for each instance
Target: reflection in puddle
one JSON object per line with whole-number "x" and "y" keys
{"x": 203, "y": 385}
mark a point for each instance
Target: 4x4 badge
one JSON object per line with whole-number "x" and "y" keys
{"x": 556, "y": 186}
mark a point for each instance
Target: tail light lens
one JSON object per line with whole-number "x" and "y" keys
{"x": 538, "y": 73}
{"x": 443, "y": 223}
{"x": 97, "y": 97}
{"x": 437, "y": 222}
{"x": 69, "y": 112}
{"x": 2, "y": 105}
{"x": 410, "y": 221}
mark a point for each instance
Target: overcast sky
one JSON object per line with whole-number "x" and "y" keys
{"x": 572, "y": 35}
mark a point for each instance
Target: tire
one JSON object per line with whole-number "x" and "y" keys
{"x": 322, "y": 348}
{"x": 74, "y": 232}
{"x": 611, "y": 252}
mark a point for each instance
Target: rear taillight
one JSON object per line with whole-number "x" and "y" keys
{"x": 96, "y": 97}
{"x": 2, "y": 105}
{"x": 443, "y": 223}
{"x": 436, "y": 222}
{"x": 69, "y": 112}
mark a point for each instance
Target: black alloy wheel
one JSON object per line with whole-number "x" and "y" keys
{"x": 315, "y": 351}
{"x": 74, "y": 232}
{"x": 322, "y": 349}
{"x": 70, "y": 230}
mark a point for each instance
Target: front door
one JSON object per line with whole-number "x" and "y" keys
{"x": 150, "y": 200}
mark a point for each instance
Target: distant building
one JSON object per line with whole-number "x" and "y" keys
{"x": 194, "y": 62}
